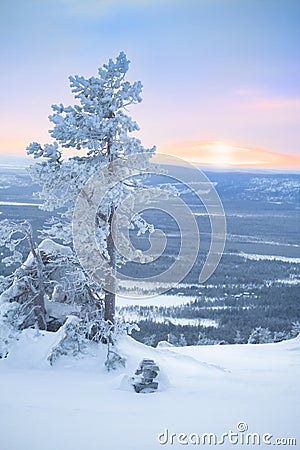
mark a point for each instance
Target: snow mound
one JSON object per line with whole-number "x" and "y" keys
{"x": 164, "y": 344}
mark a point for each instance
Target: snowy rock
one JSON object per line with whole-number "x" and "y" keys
{"x": 144, "y": 376}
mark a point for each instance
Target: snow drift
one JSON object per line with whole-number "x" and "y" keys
{"x": 75, "y": 404}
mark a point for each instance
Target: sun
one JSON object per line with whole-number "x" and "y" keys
{"x": 213, "y": 153}
{"x": 221, "y": 154}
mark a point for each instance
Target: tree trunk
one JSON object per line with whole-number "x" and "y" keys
{"x": 39, "y": 302}
{"x": 109, "y": 309}
{"x": 40, "y": 310}
{"x": 110, "y": 279}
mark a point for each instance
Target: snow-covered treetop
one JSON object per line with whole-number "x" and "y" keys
{"x": 99, "y": 122}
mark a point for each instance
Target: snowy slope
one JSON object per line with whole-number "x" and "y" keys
{"x": 76, "y": 405}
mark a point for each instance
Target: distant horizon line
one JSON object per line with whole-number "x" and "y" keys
{"x": 22, "y": 162}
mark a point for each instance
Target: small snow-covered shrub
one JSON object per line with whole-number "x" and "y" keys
{"x": 76, "y": 335}
{"x": 114, "y": 331}
{"x": 72, "y": 341}
{"x": 9, "y": 313}
{"x": 114, "y": 360}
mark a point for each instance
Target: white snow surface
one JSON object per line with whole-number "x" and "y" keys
{"x": 157, "y": 300}
{"x": 257, "y": 257}
{"x": 19, "y": 204}
{"x": 77, "y": 405}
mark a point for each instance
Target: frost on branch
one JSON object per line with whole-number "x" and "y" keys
{"x": 11, "y": 235}
{"x": 9, "y": 321}
{"x": 50, "y": 151}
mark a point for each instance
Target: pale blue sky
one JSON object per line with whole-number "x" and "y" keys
{"x": 211, "y": 69}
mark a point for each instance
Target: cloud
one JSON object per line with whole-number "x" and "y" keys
{"x": 261, "y": 106}
{"x": 290, "y": 104}
{"x": 259, "y": 100}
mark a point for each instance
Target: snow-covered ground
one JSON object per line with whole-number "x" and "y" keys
{"x": 157, "y": 300}
{"x": 18, "y": 204}
{"x": 257, "y": 257}
{"x": 77, "y": 405}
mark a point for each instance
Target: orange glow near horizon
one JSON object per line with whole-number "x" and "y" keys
{"x": 209, "y": 153}
{"x": 220, "y": 154}
{"x": 9, "y": 147}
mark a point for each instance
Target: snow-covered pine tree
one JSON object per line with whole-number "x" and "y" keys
{"x": 172, "y": 339}
{"x": 182, "y": 340}
{"x": 97, "y": 126}
{"x": 150, "y": 340}
{"x": 295, "y": 331}
{"x": 281, "y": 336}
{"x": 205, "y": 340}
{"x": 238, "y": 338}
{"x": 260, "y": 336}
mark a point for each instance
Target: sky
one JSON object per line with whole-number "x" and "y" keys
{"x": 221, "y": 77}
